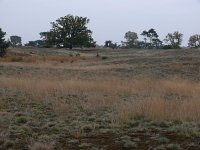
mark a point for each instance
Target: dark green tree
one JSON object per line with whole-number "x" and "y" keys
{"x": 145, "y": 34}
{"x": 131, "y": 40}
{"x": 151, "y": 39}
{"x": 3, "y": 44}
{"x": 69, "y": 31}
{"x": 31, "y": 43}
{"x": 15, "y": 41}
{"x": 174, "y": 40}
{"x": 194, "y": 41}
{"x": 153, "y": 36}
{"x": 49, "y": 39}
{"x": 157, "y": 43}
{"x": 110, "y": 44}
{"x": 37, "y": 43}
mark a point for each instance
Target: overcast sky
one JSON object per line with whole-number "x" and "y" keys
{"x": 109, "y": 19}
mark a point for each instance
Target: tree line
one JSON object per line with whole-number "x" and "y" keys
{"x": 72, "y": 31}
{"x": 151, "y": 41}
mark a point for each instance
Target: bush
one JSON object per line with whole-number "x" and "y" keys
{"x": 163, "y": 140}
{"x": 167, "y": 47}
{"x": 104, "y": 57}
{"x": 21, "y": 120}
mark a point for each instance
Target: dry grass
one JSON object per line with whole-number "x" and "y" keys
{"x": 40, "y": 146}
{"x": 164, "y": 100}
{"x": 160, "y": 109}
{"x": 35, "y": 58}
{"x": 155, "y": 99}
{"x": 76, "y": 85}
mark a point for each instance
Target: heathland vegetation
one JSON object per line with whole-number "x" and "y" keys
{"x": 62, "y": 93}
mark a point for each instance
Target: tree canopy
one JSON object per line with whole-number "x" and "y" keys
{"x": 37, "y": 43}
{"x": 131, "y": 39}
{"x": 151, "y": 39}
{"x": 194, "y": 41}
{"x": 69, "y": 31}
{"x": 110, "y": 44}
{"x": 174, "y": 39}
{"x": 15, "y": 41}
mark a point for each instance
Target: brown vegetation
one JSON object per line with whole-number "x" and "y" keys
{"x": 34, "y": 59}
{"x": 154, "y": 99}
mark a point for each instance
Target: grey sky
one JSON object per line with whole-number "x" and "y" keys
{"x": 109, "y": 19}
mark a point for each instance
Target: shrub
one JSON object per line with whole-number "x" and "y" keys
{"x": 21, "y": 120}
{"x": 167, "y": 47}
{"x": 163, "y": 140}
{"x": 104, "y": 57}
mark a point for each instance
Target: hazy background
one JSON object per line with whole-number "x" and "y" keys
{"x": 109, "y": 19}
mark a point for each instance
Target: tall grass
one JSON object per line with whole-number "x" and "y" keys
{"x": 154, "y": 99}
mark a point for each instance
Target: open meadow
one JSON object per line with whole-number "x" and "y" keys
{"x": 100, "y": 99}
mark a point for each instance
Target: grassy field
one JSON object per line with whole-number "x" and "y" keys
{"x": 100, "y": 99}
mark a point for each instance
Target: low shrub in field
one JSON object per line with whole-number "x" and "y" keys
{"x": 21, "y": 120}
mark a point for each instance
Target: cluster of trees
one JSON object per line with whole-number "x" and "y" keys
{"x": 72, "y": 31}
{"x": 37, "y": 43}
{"x": 151, "y": 40}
